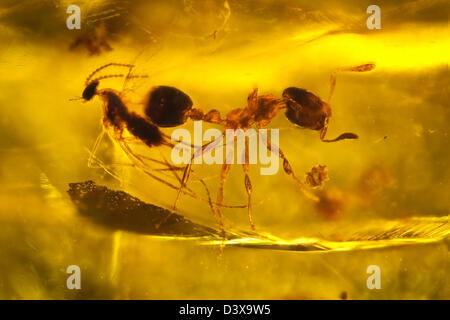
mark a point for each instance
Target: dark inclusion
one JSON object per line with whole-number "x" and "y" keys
{"x": 168, "y": 106}
{"x": 120, "y": 211}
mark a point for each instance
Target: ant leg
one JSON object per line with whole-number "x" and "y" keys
{"x": 146, "y": 169}
{"x": 186, "y": 173}
{"x": 188, "y": 168}
{"x": 133, "y": 157}
{"x": 288, "y": 170}
{"x": 164, "y": 220}
{"x": 199, "y": 179}
{"x": 95, "y": 147}
{"x": 223, "y": 176}
{"x": 106, "y": 167}
{"x": 179, "y": 180}
{"x": 186, "y": 191}
{"x": 99, "y": 164}
{"x": 139, "y": 163}
{"x": 248, "y": 187}
{"x": 361, "y": 68}
{"x": 130, "y": 152}
{"x": 132, "y": 140}
{"x": 169, "y": 142}
{"x": 323, "y": 132}
{"x": 95, "y": 163}
{"x": 142, "y": 164}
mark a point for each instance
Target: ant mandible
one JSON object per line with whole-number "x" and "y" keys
{"x": 303, "y": 108}
{"x": 165, "y": 107}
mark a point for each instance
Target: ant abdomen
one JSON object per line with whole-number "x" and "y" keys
{"x": 305, "y": 109}
{"x": 168, "y": 106}
{"x": 144, "y": 130}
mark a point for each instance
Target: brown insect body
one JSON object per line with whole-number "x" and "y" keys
{"x": 144, "y": 130}
{"x": 115, "y": 111}
{"x": 305, "y": 109}
{"x": 116, "y": 115}
{"x": 165, "y": 107}
{"x": 260, "y": 110}
{"x": 168, "y": 106}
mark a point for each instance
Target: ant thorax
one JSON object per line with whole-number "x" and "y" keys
{"x": 260, "y": 111}
{"x": 115, "y": 112}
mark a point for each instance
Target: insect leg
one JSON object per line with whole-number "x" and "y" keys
{"x": 179, "y": 180}
{"x": 97, "y": 163}
{"x": 138, "y": 162}
{"x": 95, "y": 147}
{"x": 288, "y": 170}
{"x": 188, "y": 168}
{"x": 223, "y": 176}
{"x": 248, "y": 186}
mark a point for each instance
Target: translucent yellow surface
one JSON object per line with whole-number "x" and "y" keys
{"x": 217, "y": 52}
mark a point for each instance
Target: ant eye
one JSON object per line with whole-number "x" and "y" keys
{"x": 305, "y": 109}
{"x": 90, "y": 90}
{"x": 168, "y": 106}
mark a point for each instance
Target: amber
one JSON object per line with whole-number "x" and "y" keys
{"x": 385, "y": 202}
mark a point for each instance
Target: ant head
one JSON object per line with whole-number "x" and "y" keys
{"x": 90, "y": 90}
{"x": 309, "y": 111}
{"x": 168, "y": 106}
{"x": 306, "y": 109}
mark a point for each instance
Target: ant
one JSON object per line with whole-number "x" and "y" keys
{"x": 303, "y": 109}
{"x": 165, "y": 107}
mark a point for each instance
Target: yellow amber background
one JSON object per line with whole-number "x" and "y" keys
{"x": 400, "y": 111}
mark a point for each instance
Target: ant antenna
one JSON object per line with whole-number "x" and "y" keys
{"x": 362, "y": 68}
{"x": 130, "y": 66}
{"x": 119, "y": 76}
{"x": 75, "y": 99}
